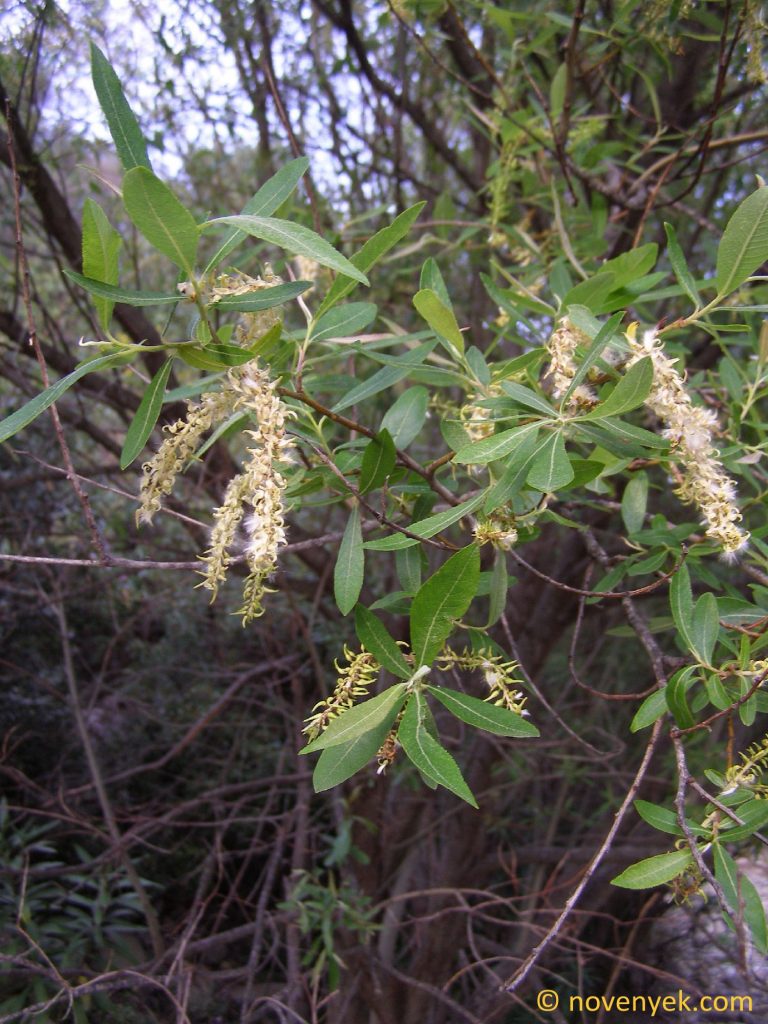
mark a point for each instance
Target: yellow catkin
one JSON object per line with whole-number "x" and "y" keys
{"x": 689, "y": 429}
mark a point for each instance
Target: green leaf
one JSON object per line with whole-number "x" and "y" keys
{"x": 379, "y": 460}
{"x": 337, "y": 764}
{"x": 373, "y": 250}
{"x": 515, "y": 472}
{"x": 374, "y": 637}
{"x": 144, "y": 421}
{"x": 426, "y": 528}
{"x": 660, "y": 818}
{"x": 602, "y": 338}
{"x": 634, "y": 502}
{"x": 622, "y": 439}
{"x": 676, "y": 696}
{"x": 744, "y": 245}
{"x": 265, "y": 298}
{"x": 631, "y": 265}
{"x": 350, "y": 565}
{"x": 482, "y": 715}
{"x": 123, "y": 126}
{"x": 443, "y": 598}
{"x": 681, "y": 604}
{"x": 344, "y": 321}
{"x": 754, "y": 914}
{"x": 426, "y": 753}
{"x": 551, "y": 468}
{"x": 524, "y": 396}
{"x": 680, "y": 266}
{"x": 557, "y": 91}
{"x": 754, "y": 815}
{"x": 360, "y": 719}
{"x": 161, "y": 218}
{"x": 386, "y": 376}
{"x": 215, "y": 357}
{"x": 293, "y": 238}
{"x": 116, "y": 294}
{"x": 489, "y": 449}
{"x": 101, "y": 244}
{"x": 705, "y": 626}
{"x": 430, "y": 278}
{"x": 726, "y": 874}
{"x": 405, "y": 418}
{"x": 654, "y": 870}
{"x": 499, "y": 588}
{"x": 409, "y": 564}
{"x": 631, "y": 391}
{"x": 264, "y": 203}
{"x": 440, "y": 318}
{"x": 27, "y": 413}
{"x": 652, "y": 708}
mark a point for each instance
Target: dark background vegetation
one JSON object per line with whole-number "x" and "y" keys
{"x": 157, "y": 826}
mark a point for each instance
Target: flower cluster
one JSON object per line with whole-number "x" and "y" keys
{"x": 179, "y": 446}
{"x": 562, "y": 369}
{"x": 498, "y": 674}
{"x": 254, "y": 496}
{"x": 354, "y": 681}
{"x": 499, "y": 530}
{"x": 702, "y": 481}
{"x": 259, "y": 486}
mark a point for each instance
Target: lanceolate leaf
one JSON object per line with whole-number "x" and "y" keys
{"x": 360, "y": 719}
{"x": 681, "y": 603}
{"x": 489, "y": 449}
{"x": 654, "y": 870}
{"x": 443, "y": 598}
{"x": 634, "y": 502}
{"x": 146, "y": 416}
{"x": 426, "y": 753}
{"x": 378, "y": 462}
{"x": 676, "y": 692}
{"x": 344, "y": 321}
{"x": 551, "y": 468}
{"x": 742, "y": 896}
{"x": 266, "y": 298}
{"x": 744, "y": 245}
{"x": 427, "y": 527}
{"x": 374, "y": 637}
{"x": 652, "y": 708}
{"x": 631, "y": 391}
{"x": 350, "y": 565}
{"x": 373, "y": 250}
{"x": 482, "y": 715}
{"x": 601, "y": 339}
{"x": 115, "y": 294}
{"x": 397, "y": 368}
{"x": 160, "y": 217}
{"x": 101, "y": 244}
{"x": 440, "y": 318}
{"x": 264, "y": 203}
{"x": 123, "y": 126}
{"x": 337, "y": 764}
{"x": 405, "y": 418}
{"x": 18, "y": 420}
{"x": 680, "y": 267}
{"x": 293, "y": 238}
{"x": 214, "y": 357}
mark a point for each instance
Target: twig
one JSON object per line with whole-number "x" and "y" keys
{"x": 535, "y": 955}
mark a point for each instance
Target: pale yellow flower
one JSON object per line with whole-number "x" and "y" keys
{"x": 689, "y": 429}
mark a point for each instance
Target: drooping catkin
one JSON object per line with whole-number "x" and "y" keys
{"x": 689, "y": 429}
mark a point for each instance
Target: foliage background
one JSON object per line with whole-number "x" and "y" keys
{"x": 545, "y": 138}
